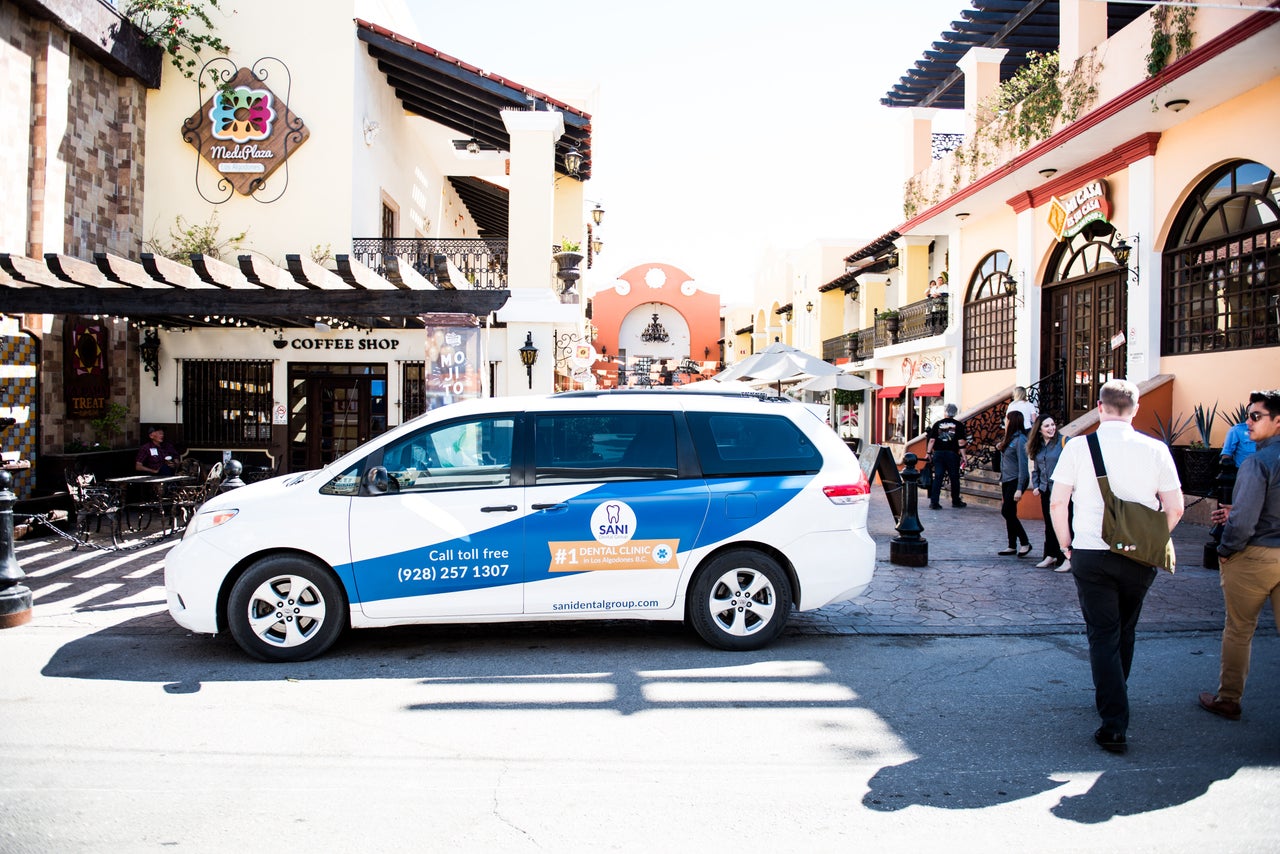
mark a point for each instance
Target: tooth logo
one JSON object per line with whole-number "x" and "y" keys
{"x": 613, "y": 523}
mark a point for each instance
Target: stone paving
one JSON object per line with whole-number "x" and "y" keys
{"x": 965, "y": 589}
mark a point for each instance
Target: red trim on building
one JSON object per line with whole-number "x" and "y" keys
{"x": 1108, "y": 164}
{"x": 1245, "y": 30}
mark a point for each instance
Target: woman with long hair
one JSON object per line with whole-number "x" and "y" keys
{"x": 1043, "y": 449}
{"x": 1014, "y": 479}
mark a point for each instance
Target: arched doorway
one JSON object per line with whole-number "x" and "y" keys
{"x": 1083, "y": 317}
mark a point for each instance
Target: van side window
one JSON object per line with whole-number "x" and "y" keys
{"x": 608, "y": 446}
{"x": 733, "y": 444}
{"x": 457, "y": 455}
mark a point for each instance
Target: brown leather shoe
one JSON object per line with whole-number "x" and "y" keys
{"x": 1223, "y": 708}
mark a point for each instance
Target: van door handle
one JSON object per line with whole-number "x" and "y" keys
{"x": 499, "y": 508}
{"x": 556, "y": 506}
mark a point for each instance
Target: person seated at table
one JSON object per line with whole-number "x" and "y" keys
{"x": 156, "y": 456}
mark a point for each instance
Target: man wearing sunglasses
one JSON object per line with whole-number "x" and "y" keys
{"x": 1249, "y": 554}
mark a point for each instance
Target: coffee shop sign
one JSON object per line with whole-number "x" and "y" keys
{"x": 365, "y": 344}
{"x": 1068, "y": 217}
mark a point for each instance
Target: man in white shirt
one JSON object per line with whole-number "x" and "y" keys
{"x": 1111, "y": 587}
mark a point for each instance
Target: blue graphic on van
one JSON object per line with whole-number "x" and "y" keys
{"x": 694, "y": 513}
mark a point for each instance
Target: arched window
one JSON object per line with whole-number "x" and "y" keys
{"x": 1222, "y": 265}
{"x": 988, "y": 317}
{"x": 1091, "y": 251}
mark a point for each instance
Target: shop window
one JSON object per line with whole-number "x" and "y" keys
{"x": 988, "y": 317}
{"x": 1221, "y": 271}
{"x": 413, "y": 390}
{"x": 226, "y": 403}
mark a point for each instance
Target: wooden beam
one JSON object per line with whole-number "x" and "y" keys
{"x": 248, "y": 302}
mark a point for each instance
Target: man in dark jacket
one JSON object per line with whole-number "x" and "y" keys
{"x": 1249, "y": 553}
{"x": 947, "y": 439}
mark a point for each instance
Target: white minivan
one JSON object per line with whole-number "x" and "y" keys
{"x": 723, "y": 510}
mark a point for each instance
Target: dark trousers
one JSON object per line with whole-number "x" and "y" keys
{"x": 948, "y": 462}
{"x": 1051, "y": 547}
{"x": 1009, "y": 510}
{"x": 1111, "y": 590}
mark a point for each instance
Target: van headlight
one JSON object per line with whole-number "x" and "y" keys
{"x": 209, "y": 519}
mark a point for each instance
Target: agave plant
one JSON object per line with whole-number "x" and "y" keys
{"x": 1169, "y": 431}
{"x": 1232, "y": 417}
{"x": 1203, "y": 420}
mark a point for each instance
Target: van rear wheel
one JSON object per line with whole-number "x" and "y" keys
{"x": 740, "y": 600}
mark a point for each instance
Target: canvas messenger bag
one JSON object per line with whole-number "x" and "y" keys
{"x": 1131, "y": 529}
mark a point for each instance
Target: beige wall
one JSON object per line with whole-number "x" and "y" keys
{"x": 1224, "y": 379}
{"x": 980, "y": 386}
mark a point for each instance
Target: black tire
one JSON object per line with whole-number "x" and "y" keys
{"x": 740, "y": 600}
{"x": 286, "y": 608}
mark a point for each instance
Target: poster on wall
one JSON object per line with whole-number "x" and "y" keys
{"x": 453, "y": 363}
{"x": 86, "y": 380}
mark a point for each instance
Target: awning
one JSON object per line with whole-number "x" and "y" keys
{"x": 927, "y": 390}
{"x": 890, "y": 391}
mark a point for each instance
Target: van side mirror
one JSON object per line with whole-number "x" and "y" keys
{"x": 377, "y": 481}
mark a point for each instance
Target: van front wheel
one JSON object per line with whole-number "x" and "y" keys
{"x": 286, "y": 608}
{"x": 740, "y": 600}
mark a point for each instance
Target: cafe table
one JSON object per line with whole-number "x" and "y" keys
{"x": 148, "y": 502}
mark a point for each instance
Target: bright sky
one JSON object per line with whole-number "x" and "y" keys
{"x": 722, "y": 129}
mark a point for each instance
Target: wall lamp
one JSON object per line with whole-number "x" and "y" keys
{"x": 573, "y": 161}
{"x": 597, "y": 214}
{"x": 529, "y": 356}
{"x": 1011, "y": 289}
{"x": 149, "y": 353}
{"x": 1123, "y": 252}
{"x": 809, "y": 307}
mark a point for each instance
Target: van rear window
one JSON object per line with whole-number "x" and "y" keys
{"x": 731, "y": 444}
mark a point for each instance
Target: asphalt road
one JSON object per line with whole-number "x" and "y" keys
{"x": 621, "y": 737}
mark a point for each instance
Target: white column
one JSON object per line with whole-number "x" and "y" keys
{"x": 919, "y": 139}
{"x": 1083, "y": 26}
{"x": 534, "y": 306}
{"x": 981, "y": 67}
{"x": 1027, "y": 326}
{"x": 1143, "y": 328}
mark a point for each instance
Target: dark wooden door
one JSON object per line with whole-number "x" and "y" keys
{"x": 1083, "y": 327}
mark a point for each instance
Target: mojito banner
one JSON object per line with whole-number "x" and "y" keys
{"x": 453, "y": 365}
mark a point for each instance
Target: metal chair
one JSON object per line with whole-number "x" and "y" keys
{"x": 187, "y": 499}
{"x": 94, "y": 502}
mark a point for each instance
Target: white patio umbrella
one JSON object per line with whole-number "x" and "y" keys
{"x": 845, "y": 382}
{"x": 777, "y": 363}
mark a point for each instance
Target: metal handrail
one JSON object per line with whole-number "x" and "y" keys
{"x": 482, "y": 261}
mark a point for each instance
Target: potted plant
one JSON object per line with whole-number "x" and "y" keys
{"x": 891, "y": 320}
{"x": 568, "y": 260}
{"x": 1200, "y": 460}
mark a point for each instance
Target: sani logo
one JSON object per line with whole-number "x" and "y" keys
{"x": 613, "y": 523}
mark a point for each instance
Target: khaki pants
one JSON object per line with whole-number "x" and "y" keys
{"x": 1249, "y": 578}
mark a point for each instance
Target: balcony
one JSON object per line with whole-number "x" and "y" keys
{"x": 922, "y": 319}
{"x": 480, "y": 264}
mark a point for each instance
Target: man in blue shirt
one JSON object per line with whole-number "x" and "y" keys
{"x": 1238, "y": 447}
{"x": 1249, "y": 553}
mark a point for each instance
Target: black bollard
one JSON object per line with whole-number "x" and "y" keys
{"x": 232, "y": 470}
{"x": 15, "y": 598}
{"x": 909, "y": 548}
{"x": 1223, "y": 486}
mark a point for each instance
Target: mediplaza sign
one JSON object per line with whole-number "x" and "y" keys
{"x": 245, "y": 131}
{"x": 1068, "y": 217}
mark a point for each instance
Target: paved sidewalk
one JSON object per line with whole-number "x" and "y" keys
{"x": 966, "y": 589}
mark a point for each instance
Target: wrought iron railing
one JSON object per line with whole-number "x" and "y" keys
{"x": 1049, "y": 393}
{"x": 986, "y": 428}
{"x": 911, "y": 322}
{"x": 840, "y": 347}
{"x": 482, "y": 262}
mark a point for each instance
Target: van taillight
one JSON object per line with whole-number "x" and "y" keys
{"x": 845, "y": 493}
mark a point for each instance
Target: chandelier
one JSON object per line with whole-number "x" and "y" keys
{"x": 654, "y": 332}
